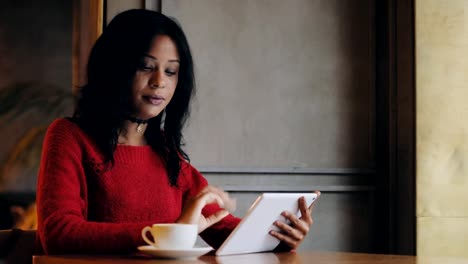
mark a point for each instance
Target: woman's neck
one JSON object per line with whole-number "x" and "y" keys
{"x": 133, "y": 134}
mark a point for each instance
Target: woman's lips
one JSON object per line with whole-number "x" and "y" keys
{"x": 154, "y": 100}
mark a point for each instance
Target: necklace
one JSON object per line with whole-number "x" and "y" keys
{"x": 141, "y": 123}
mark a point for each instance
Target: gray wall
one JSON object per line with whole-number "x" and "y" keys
{"x": 282, "y": 84}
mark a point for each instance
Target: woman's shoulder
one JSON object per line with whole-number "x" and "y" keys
{"x": 66, "y": 128}
{"x": 65, "y": 133}
{"x": 64, "y": 125}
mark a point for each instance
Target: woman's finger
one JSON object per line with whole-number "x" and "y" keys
{"x": 299, "y": 224}
{"x": 210, "y": 197}
{"x": 228, "y": 203}
{"x": 216, "y": 217}
{"x": 290, "y": 242}
{"x": 219, "y": 191}
{"x": 292, "y": 232}
{"x": 305, "y": 212}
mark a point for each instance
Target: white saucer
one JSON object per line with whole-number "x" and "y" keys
{"x": 174, "y": 253}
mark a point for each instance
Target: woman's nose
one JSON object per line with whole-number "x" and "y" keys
{"x": 157, "y": 80}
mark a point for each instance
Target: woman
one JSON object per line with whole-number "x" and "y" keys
{"x": 118, "y": 165}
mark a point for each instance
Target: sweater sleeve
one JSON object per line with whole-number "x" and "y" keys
{"x": 217, "y": 233}
{"x": 61, "y": 202}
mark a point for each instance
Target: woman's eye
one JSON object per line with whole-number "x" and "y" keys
{"x": 171, "y": 73}
{"x": 146, "y": 68}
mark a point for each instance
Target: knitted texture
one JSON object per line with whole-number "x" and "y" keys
{"x": 85, "y": 207}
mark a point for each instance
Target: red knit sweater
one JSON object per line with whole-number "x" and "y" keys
{"x": 83, "y": 208}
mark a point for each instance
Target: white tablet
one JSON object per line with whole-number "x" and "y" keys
{"x": 252, "y": 233}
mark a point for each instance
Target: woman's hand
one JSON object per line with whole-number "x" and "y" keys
{"x": 291, "y": 235}
{"x": 191, "y": 213}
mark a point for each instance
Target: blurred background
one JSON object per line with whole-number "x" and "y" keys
{"x": 35, "y": 88}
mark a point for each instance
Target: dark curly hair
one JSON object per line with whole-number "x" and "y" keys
{"x": 105, "y": 101}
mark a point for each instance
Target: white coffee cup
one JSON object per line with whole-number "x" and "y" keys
{"x": 171, "y": 236}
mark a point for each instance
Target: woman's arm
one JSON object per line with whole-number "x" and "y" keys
{"x": 216, "y": 233}
{"x": 61, "y": 201}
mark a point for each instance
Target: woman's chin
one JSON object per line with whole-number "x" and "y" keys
{"x": 147, "y": 116}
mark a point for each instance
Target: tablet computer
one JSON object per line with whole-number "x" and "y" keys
{"x": 252, "y": 233}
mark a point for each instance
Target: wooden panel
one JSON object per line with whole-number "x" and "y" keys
{"x": 87, "y": 26}
{"x": 281, "y": 84}
{"x": 403, "y": 193}
{"x": 395, "y": 175}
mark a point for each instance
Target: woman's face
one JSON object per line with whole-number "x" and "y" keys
{"x": 156, "y": 79}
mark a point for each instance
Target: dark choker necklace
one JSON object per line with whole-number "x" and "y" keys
{"x": 140, "y": 122}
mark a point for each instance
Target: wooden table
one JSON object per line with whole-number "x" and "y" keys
{"x": 260, "y": 258}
